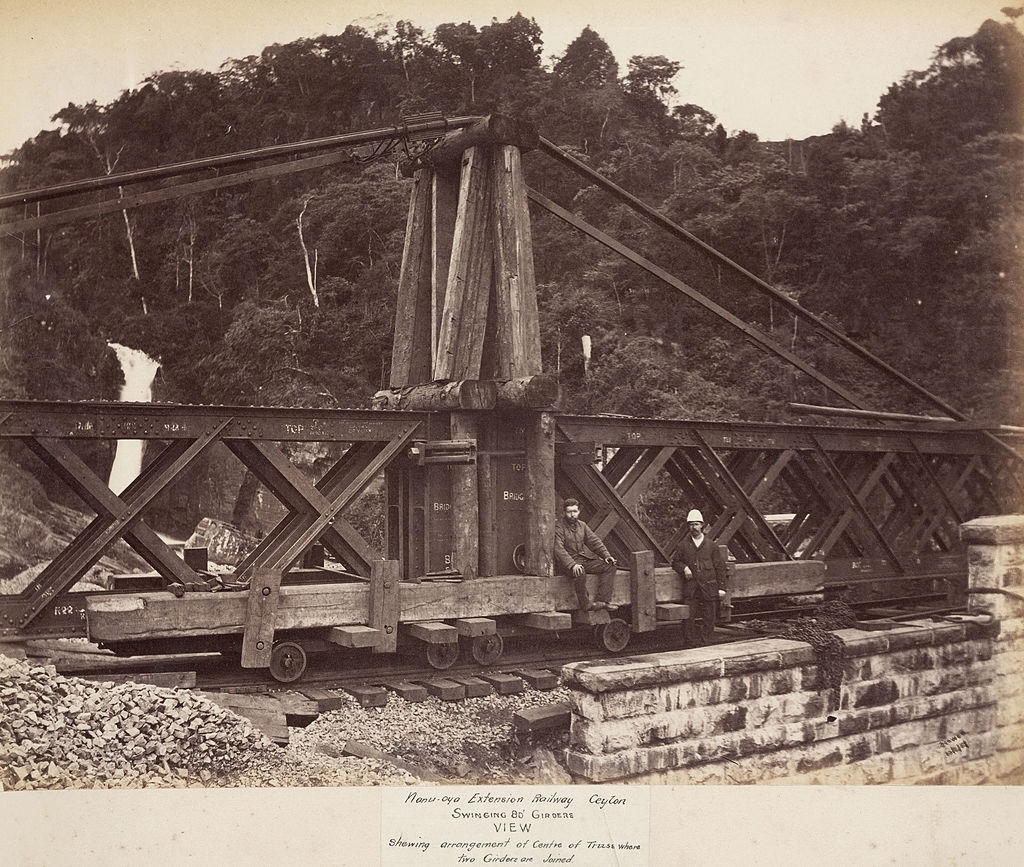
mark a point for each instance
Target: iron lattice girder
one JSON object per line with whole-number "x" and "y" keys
{"x": 57, "y": 455}
{"x": 315, "y": 510}
{"x": 47, "y": 429}
{"x": 888, "y": 494}
{"x": 105, "y": 529}
{"x": 100, "y": 420}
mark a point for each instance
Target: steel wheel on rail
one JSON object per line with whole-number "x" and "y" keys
{"x": 287, "y": 661}
{"x": 487, "y": 649}
{"x": 614, "y": 635}
{"x": 442, "y": 656}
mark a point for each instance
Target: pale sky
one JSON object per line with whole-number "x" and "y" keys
{"x": 779, "y": 68}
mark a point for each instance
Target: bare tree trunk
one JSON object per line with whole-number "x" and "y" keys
{"x": 131, "y": 238}
{"x": 193, "y": 231}
{"x": 310, "y": 268}
{"x": 39, "y": 247}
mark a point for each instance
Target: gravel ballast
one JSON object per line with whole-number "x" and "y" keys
{"x": 60, "y": 732}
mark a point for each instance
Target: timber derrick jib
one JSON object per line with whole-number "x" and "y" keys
{"x": 475, "y": 458}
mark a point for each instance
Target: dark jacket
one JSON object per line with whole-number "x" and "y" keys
{"x": 706, "y": 562}
{"x": 573, "y": 545}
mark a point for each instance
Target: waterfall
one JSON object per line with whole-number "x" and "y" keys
{"x": 139, "y": 372}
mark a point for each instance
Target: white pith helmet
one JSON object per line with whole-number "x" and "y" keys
{"x": 694, "y": 515}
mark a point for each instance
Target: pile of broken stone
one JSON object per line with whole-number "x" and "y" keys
{"x": 59, "y": 732}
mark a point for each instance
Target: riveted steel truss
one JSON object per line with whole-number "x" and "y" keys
{"x": 364, "y": 442}
{"x": 894, "y": 498}
{"x": 869, "y": 502}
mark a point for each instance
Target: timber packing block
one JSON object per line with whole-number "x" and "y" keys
{"x": 406, "y": 690}
{"x": 444, "y": 689}
{"x": 325, "y": 699}
{"x": 368, "y": 696}
{"x": 475, "y": 686}
{"x": 263, "y": 711}
{"x": 539, "y": 678}
{"x": 505, "y": 684}
{"x": 299, "y": 710}
{"x": 548, "y": 716}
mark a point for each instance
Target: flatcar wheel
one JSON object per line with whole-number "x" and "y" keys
{"x": 614, "y": 635}
{"x": 287, "y": 661}
{"x": 442, "y": 656}
{"x": 487, "y": 649}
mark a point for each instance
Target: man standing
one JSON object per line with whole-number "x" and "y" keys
{"x": 578, "y": 553}
{"x": 702, "y": 567}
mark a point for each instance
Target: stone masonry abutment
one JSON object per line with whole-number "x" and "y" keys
{"x": 937, "y": 701}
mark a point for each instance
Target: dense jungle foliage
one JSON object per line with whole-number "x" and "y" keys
{"x": 902, "y": 232}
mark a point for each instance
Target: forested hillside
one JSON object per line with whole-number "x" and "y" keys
{"x": 903, "y": 231}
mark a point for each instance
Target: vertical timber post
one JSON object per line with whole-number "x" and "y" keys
{"x": 460, "y": 341}
{"x": 444, "y": 210}
{"x": 410, "y": 351}
{"x": 540, "y": 493}
{"x": 260, "y": 617}
{"x": 642, "y": 595}
{"x": 384, "y": 603}
{"x": 465, "y": 501}
{"x": 487, "y": 496}
{"x": 517, "y": 324}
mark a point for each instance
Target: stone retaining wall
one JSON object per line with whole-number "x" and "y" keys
{"x": 995, "y": 563}
{"x": 929, "y": 701}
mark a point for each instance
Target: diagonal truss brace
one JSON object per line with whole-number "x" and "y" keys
{"x": 62, "y": 572}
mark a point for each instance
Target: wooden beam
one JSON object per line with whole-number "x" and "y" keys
{"x": 549, "y": 621}
{"x": 780, "y": 577}
{"x": 260, "y": 618}
{"x": 517, "y": 323}
{"x": 471, "y": 627}
{"x": 433, "y": 632}
{"x": 383, "y": 605}
{"x": 444, "y": 212}
{"x": 491, "y": 131}
{"x": 671, "y": 612}
{"x": 158, "y": 614}
{"x": 465, "y": 501}
{"x": 354, "y": 635}
{"x": 642, "y": 592}
{"x": 540, "y": 493}
{"x": 539, "y": 391}
{"x": 462, "y": 394}
{"x": 470, "y": 275}
{"x": 411, "y": 347}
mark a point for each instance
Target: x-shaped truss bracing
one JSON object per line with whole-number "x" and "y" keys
{"x": 775, "y": 493}
{"x": 314, "y": 512}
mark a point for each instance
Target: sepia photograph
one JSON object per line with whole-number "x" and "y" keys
{"x": 512, "y": 433}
